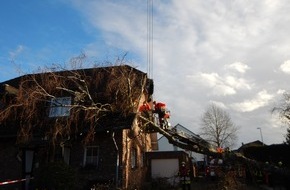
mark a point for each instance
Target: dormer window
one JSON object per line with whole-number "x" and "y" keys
{"x": 60, "y": 107}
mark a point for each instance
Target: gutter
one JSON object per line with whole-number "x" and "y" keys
{"x": 117, "y": 160}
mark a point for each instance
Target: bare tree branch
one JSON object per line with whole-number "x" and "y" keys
{"x": 217, "y": 127}
{"x": 94, "y": 94}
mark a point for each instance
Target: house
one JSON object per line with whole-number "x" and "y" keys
{"x": 256, "y": 143}
{"x": 87, "y": 118}
{"x": 261, "y": 152}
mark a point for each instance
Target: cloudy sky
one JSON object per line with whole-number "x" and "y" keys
{"x": 235, "y": 54}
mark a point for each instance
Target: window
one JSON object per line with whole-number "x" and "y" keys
{"x": 62, "y": 153}
{"x": 66, "y": 155}
{"x": 91, "y": 156}
{"x": 134, "y": 158}
{"x": 60, "y": 107}
{"x": 142, "y": 160}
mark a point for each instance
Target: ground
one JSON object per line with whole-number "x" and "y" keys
{"x": 208, "y": 184}
{"x": 229, "y": 184}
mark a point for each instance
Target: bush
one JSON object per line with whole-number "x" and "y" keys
{"x": 160, "y": 184}
{"x": 55, "y": 175}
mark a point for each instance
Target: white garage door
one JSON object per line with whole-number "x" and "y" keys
{"x": 164, "y": 168}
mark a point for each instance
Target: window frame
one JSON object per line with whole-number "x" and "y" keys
{"x": 93, "y": 163}
{"x": 134, "y": 158}
{"x": 60, "y": 107}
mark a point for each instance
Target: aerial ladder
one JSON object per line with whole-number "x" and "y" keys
{"x": 185, "y": 141}
{"x": 182, "y": 140}
{"x": 199, "y": 145}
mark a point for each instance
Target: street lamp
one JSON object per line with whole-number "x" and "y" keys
{"x": 261, "y": 134}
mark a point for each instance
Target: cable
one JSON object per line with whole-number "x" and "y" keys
{"x": 150, "y": 38}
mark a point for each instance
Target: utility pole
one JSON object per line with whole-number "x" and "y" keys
{"x": 261, "y": 134}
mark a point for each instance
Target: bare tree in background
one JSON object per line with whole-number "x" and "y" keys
{"x": 218, "y": 128}
{"x": 283, "y": 111}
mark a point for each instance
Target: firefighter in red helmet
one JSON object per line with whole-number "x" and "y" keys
{"x": 163, "y": 114}
{"x": 184, "y": 176}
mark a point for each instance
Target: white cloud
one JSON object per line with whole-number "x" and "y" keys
{"x": 13, "y": 54}
{"x": 216, "y": 83}
{"x": 211, "y": 79}
{"x": 281, "y": 91}
{"x": 223, "y": 90}
{"x": 285, "y": 67}
{"x": 221, "y": 86}
{"x": 238, "y": 83}
{"x": 260, "y": 100}
{"x": 238, "y": 66}
{"x": 219, "y": 104}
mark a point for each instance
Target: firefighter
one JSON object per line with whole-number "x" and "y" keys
{"x": 184, "y": 176}
{"x": 145, "y": 109}
{"x": 220, "y": 150}
{"x": 258, "y": 174}
{"x": 163, "y": 114}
